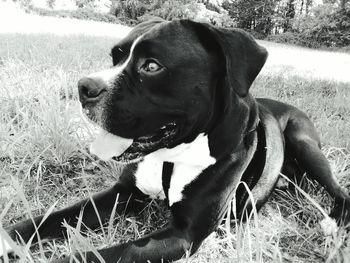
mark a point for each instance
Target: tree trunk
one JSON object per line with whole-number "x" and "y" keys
{"x": 301, "y": 7}
{"x": 342, "y": 4}
{"x": 308, "y": 5}
{"x": 290, "y": 14}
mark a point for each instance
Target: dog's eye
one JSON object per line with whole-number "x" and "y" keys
{"x": 151, "y": 66}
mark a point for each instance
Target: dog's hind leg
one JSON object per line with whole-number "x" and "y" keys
{"x": 303, "y": 143}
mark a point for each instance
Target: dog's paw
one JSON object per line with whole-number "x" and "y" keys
{"x": 8, "y": 248}
{"x": 282, "y": 183}
{"x": 341, "y": 213}
{"x": 329, "y": 226}
{"x": 5, "y": 248}
{"x": 61, "y": 260}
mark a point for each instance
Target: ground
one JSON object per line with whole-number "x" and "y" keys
{"x": 45, "y": 164}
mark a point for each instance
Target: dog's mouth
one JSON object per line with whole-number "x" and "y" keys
{"x": 144, "y": 145}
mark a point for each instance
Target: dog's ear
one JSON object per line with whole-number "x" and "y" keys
{"x": 243, "y": 57}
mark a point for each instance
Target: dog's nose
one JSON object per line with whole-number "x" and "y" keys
{"x": 90, "y": 89}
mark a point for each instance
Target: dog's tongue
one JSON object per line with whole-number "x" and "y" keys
{"x": 107, "y": 145}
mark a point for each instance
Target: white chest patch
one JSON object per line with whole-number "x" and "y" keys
{"x": 148, "y": 177}
{"x": 183, "y": 174}
{"x": 189, "y": 161}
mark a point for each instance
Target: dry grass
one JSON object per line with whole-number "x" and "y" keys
{"x": 43, "y": 150}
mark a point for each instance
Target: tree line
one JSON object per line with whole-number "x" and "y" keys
{"x": 304, "y": 22}
{"x": 311, "y": 23}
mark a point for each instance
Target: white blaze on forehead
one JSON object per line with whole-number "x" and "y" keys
{"x": 107, "y": 145}
{"x": 108, "y": 76}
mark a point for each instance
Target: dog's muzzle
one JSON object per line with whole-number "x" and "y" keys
{"x": 90, "y": 90}
{"x": 110, "y": 146}
{"x": 144, "y": 145}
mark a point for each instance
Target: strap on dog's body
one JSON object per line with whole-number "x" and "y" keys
{"x": 264, "y": 169}
{"x": 166, "y": 176}
{"x": 254, "y": 170}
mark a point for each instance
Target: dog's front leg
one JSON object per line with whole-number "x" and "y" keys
{"x": 194, "y": 217}
{"x": 166, "y": 244}
{"x": 52, "y": 226}
{"x": 124, "y": 193}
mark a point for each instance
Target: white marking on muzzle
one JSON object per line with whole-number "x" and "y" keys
{"x": 108, "y": 76}
{"x": 107, "y": 145}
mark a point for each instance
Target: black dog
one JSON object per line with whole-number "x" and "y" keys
{"x": 176, "y": 106}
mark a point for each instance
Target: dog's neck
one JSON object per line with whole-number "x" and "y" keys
{"x": 232, "y": 131}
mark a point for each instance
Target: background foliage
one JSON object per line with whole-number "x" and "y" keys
{"x": 310, "y": 23}
{"x": 44, "y": 141}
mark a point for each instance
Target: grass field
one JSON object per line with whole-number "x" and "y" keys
{"x": 44, "y": 158}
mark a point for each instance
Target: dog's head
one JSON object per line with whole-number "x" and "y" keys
{"x": 169, "y": 82}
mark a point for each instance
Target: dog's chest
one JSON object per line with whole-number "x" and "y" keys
{"x": 189, "y": 161}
